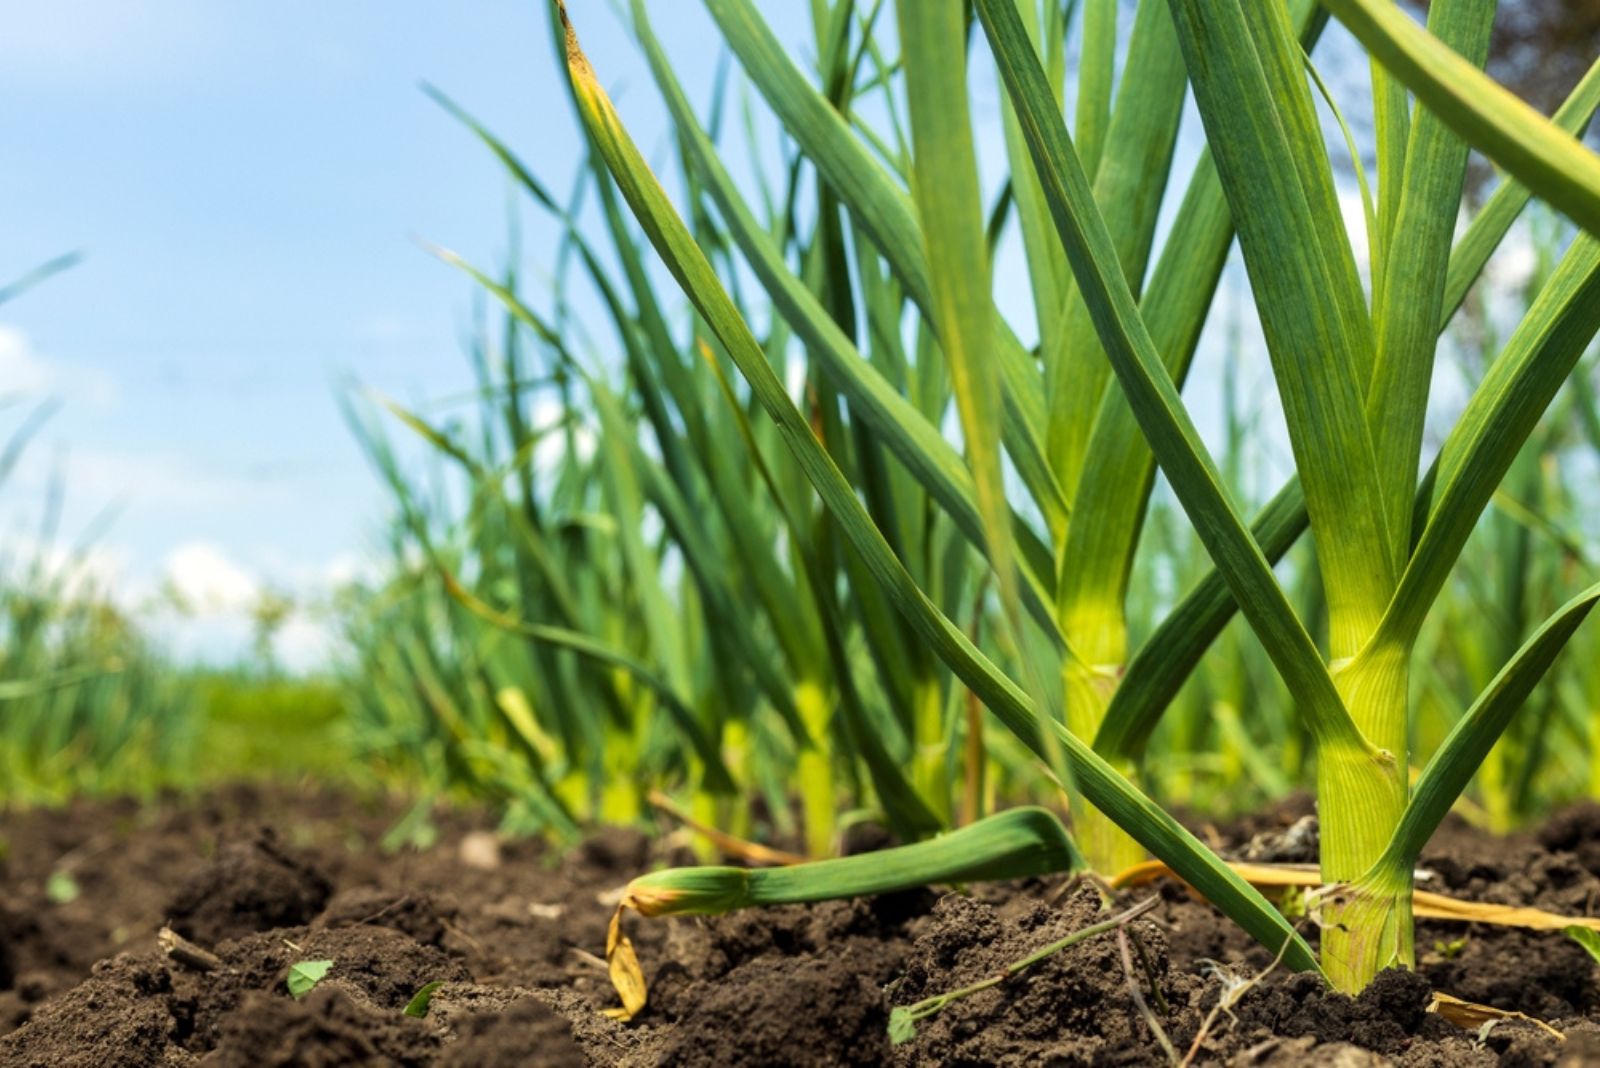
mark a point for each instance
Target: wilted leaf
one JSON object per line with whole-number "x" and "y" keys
{"x": 1425, "y": 904}
{"x": 1470, "y": 1016}
{"x": 626, "y": 975}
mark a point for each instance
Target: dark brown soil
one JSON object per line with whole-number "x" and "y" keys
{"x": 511, "y": 930}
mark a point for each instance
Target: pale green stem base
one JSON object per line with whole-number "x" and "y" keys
{"x": 1366, "y": 928}
{"x": 1108, "y": 848}
{"x": 930, "y": 767}
{"x": 1361, "y": 796}
{"x": 814, "y": 772}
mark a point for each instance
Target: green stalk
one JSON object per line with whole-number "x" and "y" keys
{"x": 1357, "y": 815}
{"x": 1089, "y": 678}
{"x": 1013, "y": 844}
{"x": 930, "y": 765}
{"x": 814, "y": 772}
{"x": 1157, "y": 830}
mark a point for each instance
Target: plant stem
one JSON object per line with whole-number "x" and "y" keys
{"x": 814, "y": 772}
{"x": 1108, "y": 848}
{"x": 930, "y": 770}
{"x": 1361, "y": 797}
{"x": 1139, "y": 1002}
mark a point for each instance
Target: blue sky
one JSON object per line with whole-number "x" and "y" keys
{"x": 246, "y": 180}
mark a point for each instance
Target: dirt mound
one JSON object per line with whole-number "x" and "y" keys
{"x": 327, "y": 1029}
{"x": 120, "y": 1017}
{"x": 528, "y": 1032}
{"x": 811, "y": 1011}
{"x": 254, "y": 884}
{"x": 416, "y": 914}
{"x": 1073, "y": 1006}
{"x": 1575, "y": 830}
{"x": 1386, "y": 1018}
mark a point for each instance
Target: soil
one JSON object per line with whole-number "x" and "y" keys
{"x": 257, "y": 880}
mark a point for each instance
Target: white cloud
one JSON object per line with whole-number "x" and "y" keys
{"x": 24, "y": 370}
{"x": 545, "y": 412}
{"x": 346, "y": 569}
{"x": 94, "y": 571}
{"x": 21, "y": 369}
{"x": 221, "y": 592}
{"x": 209, "y": 581}
{"x": 303, "y": 644}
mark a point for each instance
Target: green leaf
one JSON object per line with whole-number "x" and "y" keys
{"x": 897, "y": 423}
{"x": 61, "y": 888}
{"x": 718, "y": 779}
{"x": 306, "y": 974}
{"x": 1489, "y": 226}
{"x": 1129, "y": 177}
{"x": 1587, "y": 937}
{"x": 418, "y": 1005}
{"x": 1491, "y": 119}
{"x": 945, "y": 183}
{"x": 620, "y": 475}
{"x": 1502, "y": 412}
{"x": 1469, "y": 741}
{"x": 1407, "y": 306}
{"x": 1150, "y": 389}
{"x": 1012, "y": 844}
{"x": 1103, "y": 532}
{"x": 18, "y": 689}
{"x": 906, "y": 811}
{"x": 1102, "y": 785}
{"x": 903, "y": 1027}
{"x": 1249, "y": 81}
{"x": 886, "y": 215}
{"x": 1160, "y": 666}
{"x": 1097, "y": 68}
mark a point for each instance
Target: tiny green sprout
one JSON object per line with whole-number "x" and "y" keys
{"x": 306, "y": 974}
{"x": 418, "y": 1005}
{"x": 1293, "y": 904}
{"x": 902, "y": 1025}
{"x": 1587, "y": 938}
{"x": 61, "y": 888}
{"x": 1451, "y": 949}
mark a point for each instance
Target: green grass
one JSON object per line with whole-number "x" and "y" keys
{"x": 255, "y": 727}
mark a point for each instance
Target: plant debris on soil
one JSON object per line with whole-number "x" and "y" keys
{"x": 254, "y": 881}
